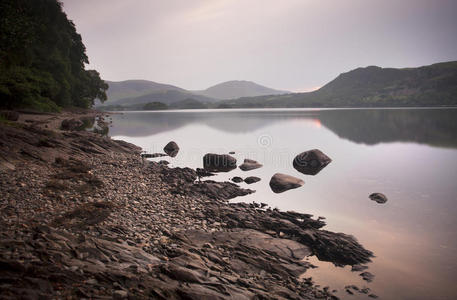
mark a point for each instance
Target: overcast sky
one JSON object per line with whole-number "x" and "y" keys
{"x": 295, "y": 45}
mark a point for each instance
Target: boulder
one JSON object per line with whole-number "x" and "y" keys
{"x": 237, "y": 179}
{"x": 219, "y": 162}
{"x": 71, "y": 124}
{"x": 251, "y": 179}
{"x": 311, "y": 162}
{"x": 378, "y": 197}
{"x": 171, "y": 149}
{"x": 281, "y": 182}
{"x": 250, "y": 164}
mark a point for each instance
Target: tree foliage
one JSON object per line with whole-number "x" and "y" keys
{"x": 42, "y": 58}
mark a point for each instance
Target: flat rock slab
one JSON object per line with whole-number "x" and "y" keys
{"x": 250, "y": 238}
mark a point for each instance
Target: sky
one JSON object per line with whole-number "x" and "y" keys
{"x": 294, "y": 45}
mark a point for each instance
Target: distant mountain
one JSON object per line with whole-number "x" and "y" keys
{"x": 237, "y": 89}
{"x": 135, "y": 88}
{"x": 134, "y": 94}
{"x": 434, "y": 85}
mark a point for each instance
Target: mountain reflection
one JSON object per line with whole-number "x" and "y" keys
{"x": 435, "y": 127}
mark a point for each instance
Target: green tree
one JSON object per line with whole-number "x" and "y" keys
{"x": 43, "y": 58}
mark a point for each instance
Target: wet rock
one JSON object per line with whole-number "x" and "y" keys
{"x": 251, "y": 179}
{"x": 152, "y": 155}
{"x": 171, "y": 149}
{"x": 367, "y": 276}
{"x": 281, "y": 182}
{"x": 203, "y": 173}
{"x": 71, "y": 124}
{"x": 311, "y": 162}
{"x": 237, "y": 179}
{"x": 378, "y": 197}
{"x": 358, "y": 268}
{"x": 219, "y": 162}
{"x": 250, "y": 164}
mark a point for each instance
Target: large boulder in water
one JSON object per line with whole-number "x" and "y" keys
{"x": 171, "y": 149}
{"x": 250, "y": 164}
{"x": 219, "y": 162}
{"x": 311, "y": 162}
{"x": 281, "y": 182}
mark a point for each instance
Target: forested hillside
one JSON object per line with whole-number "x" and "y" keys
{"x": 42, "y": 59}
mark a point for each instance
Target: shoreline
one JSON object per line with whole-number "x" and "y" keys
{"x": 83, "y": 216}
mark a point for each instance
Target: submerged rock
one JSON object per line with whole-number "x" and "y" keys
{"x": 250, "y": 164}
{"x": 219, "y": 162}
{"x": 171, "y": 149}
{"x": 367, "y": 276}
{"x": 237, "y": 179}
{"x": 311, "y": 162}
{"x": 378, "y": 197}
{"x": 251, "y": 179}
{"x": 281, "y": 182}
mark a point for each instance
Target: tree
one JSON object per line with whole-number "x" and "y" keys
{"x": 43, "y": 58}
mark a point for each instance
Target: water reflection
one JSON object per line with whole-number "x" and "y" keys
{"x": 413, "y": 235}
{"x": 435, "y": 127}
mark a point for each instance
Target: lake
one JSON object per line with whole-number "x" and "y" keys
{"x": 410, "y": 155}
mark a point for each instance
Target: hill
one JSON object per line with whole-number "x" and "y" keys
{"x": 237, "y": 89}
{"x": 434, "y": 85}
{"x": 136, "y": 93}
{"x": 136, "y": 88}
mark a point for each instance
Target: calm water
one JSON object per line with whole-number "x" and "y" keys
{"x": 408, "y": 154}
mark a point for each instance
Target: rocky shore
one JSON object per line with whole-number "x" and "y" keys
{"x": 85, "y": 216}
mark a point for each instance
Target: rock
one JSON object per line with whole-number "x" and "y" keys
{"x": 120, "y": 294}
{"x": 367, "y": 276}
{"x": 378, "y": 197}
{"x": 219, "y": 162}
{"x": 171, "y": 149}
{"x": 358, "y": 268}
{"x": 152, "y": 155}
{"x": 163, "y": 162}
{"x": 71, "y": 124}
{"x": 10, "y": 115}
{"x": 237, "y": 179}
{"x": 232, "y": 152}
{"x": 250, "y": 164}
{"x": 281, "y": 182}
{"x": 311, "y": 162}
{"x": 203, "y": 173}
{"x": 251, "y": 179}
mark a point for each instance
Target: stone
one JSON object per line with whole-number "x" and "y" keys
{"x": 237, "y": 179}
{"x": 367, "y": 276}
{"x": 71, "y": 124}
{"x": 281, "y": 182}
{"x": 219, "y": 162}
{"x": 378, "y": 197}
{"x": 311, "y": 162}
{"x": 251, "y": 179}
{"x": 152, "y": 155}
{"x": 250, "y": 164}
{"x": 171, "y": 149}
